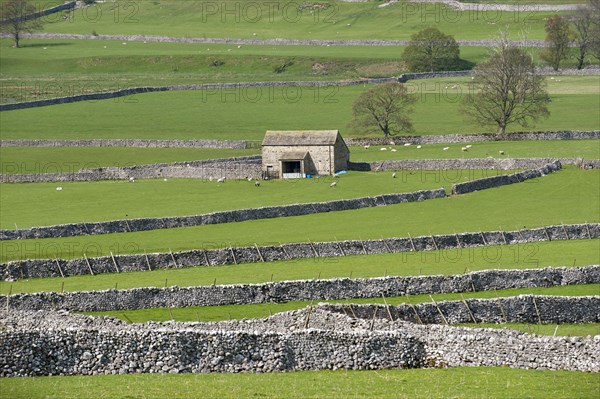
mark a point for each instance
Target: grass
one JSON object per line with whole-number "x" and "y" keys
{"x": 567, "y": 196}
{"x": 109, "y": 200}
{"x": 66, "y": 160}
{"x": 57, "y": 159}
{"x": 447, "y": 262}
{"x": 581, "y": 330}
{"x": 253, "y": 311}
{"x": 463, "y": 382}
{"x": 339, "y": 21}
{"x": 586, "y": 149}
{"x": 250, "y": 112}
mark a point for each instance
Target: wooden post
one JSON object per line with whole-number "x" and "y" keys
{"x": 501, "y": 308}
{"x": 457, "y": 240}
{"x": 434, "y": 243}
{"x": 59, "y": 268}
{"x": 373, "y": 319}
{"x": 205, "y": 258}
{"x": 537, "y": 311}
{"x": 468, "y": 309}
{"x": 62, "y": 286}
{"x": 503, "y": 237}
{"x": 387, "y": 307}
{"x": 483, "y": 238}
{"x": 414, "y": 309}
{"x": 259, "y": 254}
{"x": 547, "y": 236}
{"x": 438, "y": 309}
{"x": 88, "y": 264}
{"x": 555, "y": 330}
{"x": 412, "y": 244}
{"x": 307, "y": 320}
{"x": 386, "y": 245}
{"x": 363, "y": 247}
{"x": 114, "y": 262}
{"x": 313, "y": 249}
{"x": 147, "y": 261}
{"x": 233, "y": 255}
{"x": 127, "y": 224}
{"x": 341, "y": 248}
{"x": 587, "y": 227}
{"x": 565, "y": 231}
{"x": 173, "y": 258}
{"x": 284, "y": 251}
{"x": 352, "y": 311}
{"x": 171, "y": 314}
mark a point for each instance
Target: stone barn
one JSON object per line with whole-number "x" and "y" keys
{"x": 303, "y": 153}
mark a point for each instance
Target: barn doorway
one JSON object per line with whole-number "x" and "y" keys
{"x": 291, "y": 169}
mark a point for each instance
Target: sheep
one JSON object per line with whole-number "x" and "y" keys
{"x": 383, "y": 149}
{"x": 58, "y": 188}
{"x": 418, "y": 146}
{"x": 465, "y": 149}
{"x": 221, "y": 180}
{"x": 256, "y": 184}
{"x": 501, "y": 152}
{"x": 468, "y": 146}
{"x": 407, "y": 144}
{"x": 367, "y": 147}
{"x": 132, "y": 179}
{"x": 394, "y": 175}
{"x": 333, "y": 184}
{"x": 445, "y": 148}
{"x": 249, "y": 179}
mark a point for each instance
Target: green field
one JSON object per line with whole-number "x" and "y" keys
{"x": 586, "y": 149}
{"x": 250, "y": 112}
{"x": 426, "y": 263}
{"x": 69, "y": 159}
{"x": 566, "y": 196}
{"x": 121, "y": 199}
{"x": 279, "y": 18}
{"x": 53, "y": 159}
{"x": 459, "y": 382}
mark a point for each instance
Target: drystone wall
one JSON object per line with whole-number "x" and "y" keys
{"x": 468, "y": 164}
{"x": 205, "y": 86}
{"x": 34, "y": 268}
{"x": 502, "y": 180}
{"x": 476, "y": 138}
{"x": 52, "y": 10}
{"x": 466, "y": 6}
{"x": 133, "y": 143}
{"x": 231, "y": 168}
{"x": 301, "y": 290}
{"x": 238, "y": 215}
{"x": 320, "y": 337}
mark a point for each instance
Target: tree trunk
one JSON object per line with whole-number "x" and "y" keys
{"x": 17, "y": 40}
{"x": 501, "y": 130}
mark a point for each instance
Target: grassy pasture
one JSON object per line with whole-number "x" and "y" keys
{"x": 109, "y": 200}
{"x": 567, "y": 196}
{"x": 249, "y": 112}
{"x": 425, "y": 263}
{"x": 225, "y": 312}
{"x": 66, "y": 159}
{"x": 51, "y": 159}
{"x": 586, "y": 149}
{"x": 281, "y": 18}
{"x": 471, "y": 382}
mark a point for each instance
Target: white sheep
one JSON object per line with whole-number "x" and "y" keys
{"x": 333, "y": 184}
{"x": 221, "y": 180}
{"x": 446, "y": 148}
{"x": 394, "y": 175}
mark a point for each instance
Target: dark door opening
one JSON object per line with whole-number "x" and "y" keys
{"x": 291, "y": 169}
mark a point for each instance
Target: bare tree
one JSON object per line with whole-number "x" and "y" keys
{"x": 384, "y": 108}
{"x": 558, "y": 39}
{"x": 15, "y": 19}
{"x": 507, "y": 89}
{"x": 594, "y": 10}
{"x": 583, "y": 21}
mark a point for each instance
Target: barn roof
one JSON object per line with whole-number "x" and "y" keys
{"x": 300, "y": 137}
